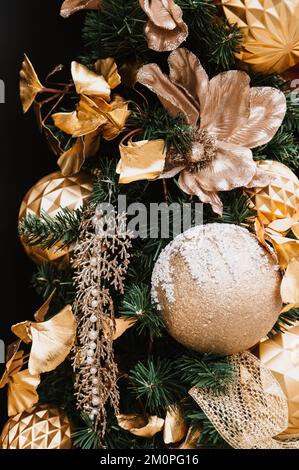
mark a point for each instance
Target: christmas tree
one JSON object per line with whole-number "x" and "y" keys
{"x": 165, "y": 242}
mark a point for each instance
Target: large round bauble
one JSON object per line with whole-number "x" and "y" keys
{"x": 49, "y": 195}
{"x": 271, "y": 32}
{"x": 217, "y": 288}
{"x": 278, "y": 200}
{"x": 42, "y": 427}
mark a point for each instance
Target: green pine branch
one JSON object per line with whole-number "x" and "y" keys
{"x": 156, "y": 383}
{"x": 284, "y": 321}
{"x": 47, "y": 278}
{"x": 208, "y": 370}
{"x": 137, "y": 304}
{"x": 283, "y": 147}
{"x": 47, "y": 231}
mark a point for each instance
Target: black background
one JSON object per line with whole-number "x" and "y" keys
{"x": 34, "y": 27}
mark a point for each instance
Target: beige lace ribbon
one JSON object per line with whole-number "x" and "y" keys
{"x": 252, "y": 412}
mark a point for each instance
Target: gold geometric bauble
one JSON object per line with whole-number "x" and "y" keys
{"x": 42, "y": 427}
{"x": 271, "y": 32}
{"x": 280, "y": 354}
{"x": 49, "y": 195}
{"x": 280, "y": 199}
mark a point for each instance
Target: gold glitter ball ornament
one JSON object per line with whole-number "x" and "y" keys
{"x": 42, "y": 427}
{"x": 280, "y": 355}
{"x": 271, "y": 32}
{"x": 217, "y": 288}
{"x": 50, "y": 195}
{"x": 278, "y": 200}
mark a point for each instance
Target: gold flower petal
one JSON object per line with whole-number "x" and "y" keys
{"x": 233, "y": 167}
{"x": 22, "y": 394}
{"x": 89, "y": 83}
{"x": 14, "y": 364}
{"x": 290, "y": 284}
{"x": 72, "y": 6}
{"x": 141, "y": 160}
{"x": 173, "y": 99}
{"x": 108, "y": 69}
{"x": 192, "y": 438}
{"x": 267, "y": 111}
{"x": 175, "y": 427}
{"x": 30, "y": 85}
{"x": 165, "y": 30}
{"x": 186, "y": 71}
{"x": 139, "y": 426}
{"x": 52, "y": 341}
{"x": 189, "y": 184}
{"x": 261, "y": 179}
{"x": 227, "y": 104}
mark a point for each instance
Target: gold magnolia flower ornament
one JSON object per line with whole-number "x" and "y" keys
{"x": 165, "y": 29}
{"x": 228, "y": 119}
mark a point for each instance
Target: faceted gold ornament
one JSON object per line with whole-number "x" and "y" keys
{"x": 279, "y": 199}
{"x": 42, "y": 427}
{"x": 280, "y": 355}
{"x": 49, "y": 195}
{"x": 271, "y": 32}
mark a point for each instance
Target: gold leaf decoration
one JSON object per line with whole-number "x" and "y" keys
{"x": 175, "y": 428}
{"x": 108, "y": 69}
{"x": 88, "y": 82}
{"x": 141, "y": 426}
{"x": 290, "y": 285}
{"x": 192, "y": 438}
{"x": 30, "y": 85}
{"x": 51, "y": 340}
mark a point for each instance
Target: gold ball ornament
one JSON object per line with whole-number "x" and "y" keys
{"x": 278, "y": 200}
{"x": 217, "y": 288}
{"x": 271, "y": 32}
{"x": 280, "y": 354}
{"x": 49, "y": 195}
{"x": 42, "y": 427}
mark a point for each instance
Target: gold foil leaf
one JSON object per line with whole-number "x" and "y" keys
{"x": 71, "y": 161}
{"x": 22, "y": 394}
{"x": 122, "y": 325}
{"x": 290, "y": 284}
{"x": 88, "y": 82}
{"x": 116, "y": 121}
{"x": 43, "y": 310}
{"x": 285, "y": 248}
{"x": 52, "y": 341}
{"x": 140, "y": 426}
{"x": 108, "y": 69}
{"x": 30, "y": 85}
{"x": 72, "y": 6}
{"x": 175, "y": 428}
{"x": 13, "y": 365}
{"x": 192, "y": 438}
{"x": 141, "y": 160}
{"x": 22, "y": 331}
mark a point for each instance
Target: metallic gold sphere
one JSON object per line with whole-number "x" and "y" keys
{"x": 217, "y": 288}
{"x": 280, "y": 354}
{"x": 42, "y": 427}
{"x": 271, "y": 32}
{"x": 49, "y": 195}
{"x": 278, "y": 200}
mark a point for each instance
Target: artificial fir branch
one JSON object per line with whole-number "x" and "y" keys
{"x": 209, "y": 437}
{"x": 137, "y": 304}
{"x": 285, "y": 320}
{"x": 208, "y": 370}
{"x": 156, "y": 383}
{"x": 47, "y": 231}
{"x": 47, "y": 278}
{"x": 283, "y": 147}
